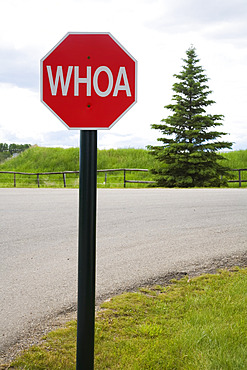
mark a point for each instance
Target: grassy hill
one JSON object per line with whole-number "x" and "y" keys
{"x": 39, "y": 159}
{"x": 4, "y": 156}
{"x": 236, "y": 159}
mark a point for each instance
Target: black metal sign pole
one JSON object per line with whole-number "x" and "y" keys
{"x": 87, "y": 250}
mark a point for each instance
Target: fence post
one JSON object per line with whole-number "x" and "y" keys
{"x": 14, "y": 180}
{"x": 124, "y": 179}
{"x": 64, "y": 180}
{"x": 239, "y": 178}
{"x": 38, "y": 179}
{"x": 105, "y": 177}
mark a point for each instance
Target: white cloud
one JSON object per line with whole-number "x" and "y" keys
{"x": 21, "y": 114}
{"x": 19, "y": 67}
{"x": 193, "y": 15}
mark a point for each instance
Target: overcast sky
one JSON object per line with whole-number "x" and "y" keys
{"x": 156, "y": 32}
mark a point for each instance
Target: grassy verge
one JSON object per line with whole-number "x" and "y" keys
{"x": 198, "y": 323}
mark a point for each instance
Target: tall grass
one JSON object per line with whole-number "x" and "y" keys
{"x": 39, "y": 159}
{"x": 125, "y": 158}
{"x": 4, "y": 156}
{"x": 237, "y": 160}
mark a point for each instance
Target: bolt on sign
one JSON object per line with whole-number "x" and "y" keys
{"x": 88, "y": 80}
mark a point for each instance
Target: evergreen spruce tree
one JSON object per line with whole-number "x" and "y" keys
{"x": 188, "y": 156}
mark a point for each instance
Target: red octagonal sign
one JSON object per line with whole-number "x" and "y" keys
{"x": 88, "y": 80}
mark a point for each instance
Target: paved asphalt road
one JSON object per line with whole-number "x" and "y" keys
{"x": 141, "y": 234}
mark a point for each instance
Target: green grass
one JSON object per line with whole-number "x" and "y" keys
{"x": 4, "y": 156}
{"x": 124, "y": 158}
{"x": 237, "y": 159}
{"x": 40, "y": 159}
{"x": 198, "y": 323}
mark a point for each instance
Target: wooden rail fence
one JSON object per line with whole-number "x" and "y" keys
{"x": 124, "y": 170}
